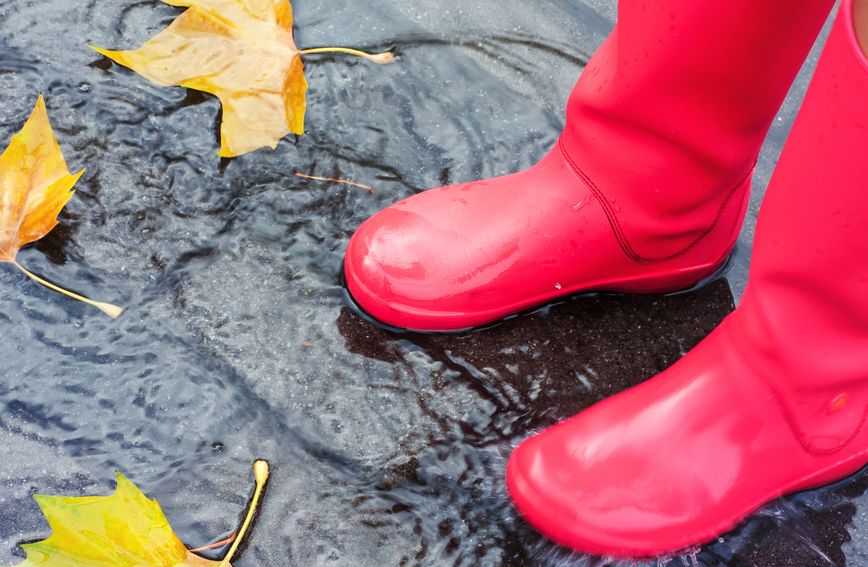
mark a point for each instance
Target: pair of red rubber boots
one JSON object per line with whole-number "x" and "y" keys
{"x": 646, "y": 192}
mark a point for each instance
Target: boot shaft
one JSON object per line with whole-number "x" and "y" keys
{"x": 670, "y": 113}
{"x": 804, "y": 317}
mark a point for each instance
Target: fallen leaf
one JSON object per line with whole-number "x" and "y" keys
{"x": 125, "y": 529}
{"x": 243, "y": 52}
{"x": 35, "y": 185}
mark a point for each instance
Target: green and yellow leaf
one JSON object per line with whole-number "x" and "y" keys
{"x": 126, "y": 529}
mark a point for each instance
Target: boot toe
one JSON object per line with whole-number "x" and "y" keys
{"x": 396, "y": 268}
{"x": 606, "y": 500}
{"x": 440, "y": 260}
{"x": 658, "y": 468}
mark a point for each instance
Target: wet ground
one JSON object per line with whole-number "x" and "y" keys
{"x": 236, "y": 344}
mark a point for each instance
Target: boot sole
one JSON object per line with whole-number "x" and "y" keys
{"x": 351, "y": 303}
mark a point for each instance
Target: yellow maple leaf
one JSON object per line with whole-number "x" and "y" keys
{"x": 243, "y": 52}
{"x": 125, "y": 529}
{"x": 35, "y": 185}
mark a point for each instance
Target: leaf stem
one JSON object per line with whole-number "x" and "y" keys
{"x": 112, "y": 311}
{"x": 380, "y": 58}
{"x": 260, "y": 473}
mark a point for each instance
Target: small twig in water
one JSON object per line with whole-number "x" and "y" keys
{"x": 216, "y": 544}
{"x": 332, "y": 180}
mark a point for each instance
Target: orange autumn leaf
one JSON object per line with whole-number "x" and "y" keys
{"x": 35, "y": 185}
{"x": 243, "y": 52}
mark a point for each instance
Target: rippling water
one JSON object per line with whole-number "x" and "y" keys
{"x": 236, "y": 344}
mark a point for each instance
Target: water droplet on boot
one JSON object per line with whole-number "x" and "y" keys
{"x": 557, "y": 286}
{"x": 578, "y": 206}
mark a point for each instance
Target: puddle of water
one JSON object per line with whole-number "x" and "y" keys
{"x": 387, "y": 449}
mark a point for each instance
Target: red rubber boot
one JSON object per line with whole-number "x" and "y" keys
{"x": 774, "y": 400}
{"x": 645, "y": 191}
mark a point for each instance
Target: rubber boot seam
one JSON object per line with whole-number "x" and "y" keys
{"x": 620, "y": 235}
